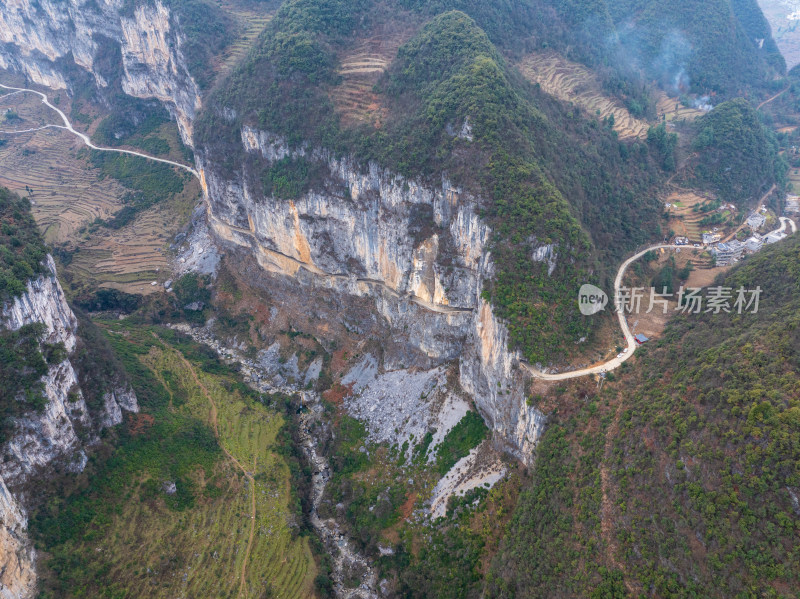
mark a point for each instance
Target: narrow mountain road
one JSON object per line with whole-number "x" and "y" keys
{"x": 439, "y": 308}
{"x": 630, "y": 342}
{"x": 67, "y": 126}
{"x": 312, "y": 268}
{"x": 623, "y": 323}
{"x": 768, "y": 100}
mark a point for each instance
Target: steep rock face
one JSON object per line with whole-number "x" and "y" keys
{"x": 41, "y": 38}
{"x": 57, "y": 434}
{"x": 420, "y": 252}
{"x": 17, "y": 576}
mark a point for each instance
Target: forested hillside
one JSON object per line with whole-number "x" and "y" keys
{"x": 708, "y": 47}
{"x": 737, "y": 155}
{"x": 682, "y": 478}
{"x": 21, "y": 247}
{"x": 545, "y": 174}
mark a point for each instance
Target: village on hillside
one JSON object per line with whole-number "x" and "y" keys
{"x": 724, "y": 248}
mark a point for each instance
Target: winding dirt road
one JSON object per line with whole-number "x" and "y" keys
{"x": 631, "y": 344}
{"x": 768, "y": 100}
{"x": 615, "y": 362}
{"x": 67, "y": 126}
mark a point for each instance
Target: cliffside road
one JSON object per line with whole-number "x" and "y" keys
{"x": 438, "y": 308}
{"x": 631, "y": 345}
{"x": 430, "y": 306}
{"x": 67, "y": 126}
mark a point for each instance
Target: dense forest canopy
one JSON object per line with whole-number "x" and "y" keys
{"x": 22, "y": 250}
{"x": 737, "y": 155}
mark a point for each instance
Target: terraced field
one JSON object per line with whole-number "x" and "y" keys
{"x": 251, "y": 24}
{"x": 360, "y": 69}
{"x": 247, "y": 431}
{"x": 195, "y": 501}
{"x": 133, "y": 257}
{"x": 684, "y": 220}
{"x": 572, "y": 82}
{"x": 671, "y": 109}
{"x": 68, "y": 195}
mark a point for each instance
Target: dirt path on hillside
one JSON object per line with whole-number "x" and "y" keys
{"x": 67, "y": 126}
{"x": 756, "y": 209}
{"x": 768, "y": 100}
{"x": 247, "y": 474}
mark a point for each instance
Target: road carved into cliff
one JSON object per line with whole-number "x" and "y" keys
{"x": 433, "y": 307}
{"x": 313, "y": 269}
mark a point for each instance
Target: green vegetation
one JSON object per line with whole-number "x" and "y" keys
{"x": 24, "y": 360}
{"x": 372, "y": 503}
{"x": 106, "y": 300}
{"x": 450, "y": 558}
{"x": 669, "y": 277}
{"x": 664, "y": 145}
{"x": 541, "y": 549}
{"x": 208, "y": 30}
{"x": 378, "y": 490}
{"x": 458, "y": 442}
{"x": 288, "y": 178}
{"x": 700, "y": 473}
{"x": 738, "y": 155}
{"x": 529, "y": 153}
{"x": 169, "y": 499}
{"x": 150, "y": 183}
{"x": 704, "y": 47}
{"x": 132, "y": 118}
{"x": 22, "y": 250}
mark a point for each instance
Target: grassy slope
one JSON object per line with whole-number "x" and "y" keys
{"x": 695, "y": 452}
{"x": 122, "y": 533}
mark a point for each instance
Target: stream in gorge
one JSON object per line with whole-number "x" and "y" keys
{"x": 348, "y": 564}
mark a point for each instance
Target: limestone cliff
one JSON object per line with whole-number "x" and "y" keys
{"x": 42, "y": 39}
{"x": 58, "y": 434}
{"x": 419, "y": 251}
